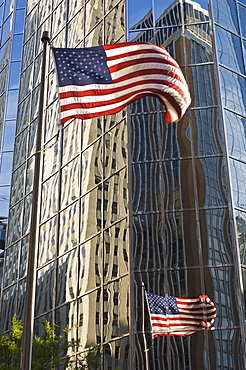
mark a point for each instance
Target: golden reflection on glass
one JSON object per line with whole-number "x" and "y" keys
{"x": 71, "y": 140}
{"x": 89, "y": 312}
{"x": 70, "y": 182}
{"x": 50, "y": 161}
{"x": 76, "y": 29}
{"x": 44, "y": 289}
{"x": 69, "y": 228}
{"x": 67, "y": 275}
{"x": 90, "y": 269}
{"x": 47, "y": 241}
{"x": 49, "y": 198}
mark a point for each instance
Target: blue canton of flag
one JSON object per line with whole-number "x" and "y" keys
{"x": 161, "y": 305}
{"x": 82, "y": 66}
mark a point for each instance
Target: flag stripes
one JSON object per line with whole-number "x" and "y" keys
{"x": 180, "y": 316}
{"x": 134, "y": 70}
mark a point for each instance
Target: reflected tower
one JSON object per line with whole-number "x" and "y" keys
{"x": 127, "y": 199}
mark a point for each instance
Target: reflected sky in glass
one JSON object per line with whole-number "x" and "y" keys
{"x": 138, "y": 9}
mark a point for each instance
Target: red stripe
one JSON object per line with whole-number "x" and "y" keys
{"x": 115, "y": 110}
{"x": 122, "y": 65}
{"x": 175, "y": 325}
{"x": 141, "y": 52}
{"x": 137, "y": 95}
{"x": 117, "y": 46}
{"x": 97, "y": 92}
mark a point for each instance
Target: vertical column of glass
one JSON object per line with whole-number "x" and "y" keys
{"x": 12, "y": 25}
{"x": 200, "y": 255}
{"x": 229, "y": 31}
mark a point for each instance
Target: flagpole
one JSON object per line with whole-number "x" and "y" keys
{"x": 143, "y": 329}
{"x": 28, "y": 322}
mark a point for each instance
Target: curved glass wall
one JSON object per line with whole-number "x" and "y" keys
{"x": 178, "y": 188}
{"x": 187, "y": 180}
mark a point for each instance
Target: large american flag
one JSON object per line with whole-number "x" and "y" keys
{"x": 180, "y": 316}
{"x": 102, "y": 80}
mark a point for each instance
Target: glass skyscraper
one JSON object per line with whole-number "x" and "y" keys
{"x": 127, "y": 199}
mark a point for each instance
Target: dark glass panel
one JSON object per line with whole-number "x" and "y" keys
{"x": 198, "y": 44}
{"x": 215, "y": 237}
{"x": 8, "y": 308}
{"x": 238, "y": 176}
{"x": 210, "y": 182}
{"x": 44, "y": 289}
{"x": 202, "y": 86}
{"x": 206, "y": 132}
{"x": 236, "y": 135}
{"x": 241, "y": 235}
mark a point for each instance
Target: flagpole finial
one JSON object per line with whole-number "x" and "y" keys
{"x": 45, "y": 37}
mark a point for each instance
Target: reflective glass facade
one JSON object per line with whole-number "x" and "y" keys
{"x": 126, "y": 199}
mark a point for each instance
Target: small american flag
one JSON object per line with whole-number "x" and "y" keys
{"x": 102, "y": 80}
{"x": 180, "y": 316}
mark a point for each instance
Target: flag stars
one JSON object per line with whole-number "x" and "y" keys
{"x": 82, "y": 66}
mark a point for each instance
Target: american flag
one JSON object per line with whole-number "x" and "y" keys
{"x": 102, "y": 80}
{"x": 180, "y": 316}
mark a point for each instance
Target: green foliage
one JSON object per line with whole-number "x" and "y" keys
{"x": 10, "y": 347}
{"x": 48, "y": 352}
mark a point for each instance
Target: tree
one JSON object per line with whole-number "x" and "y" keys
{"x": 48, "y": 350}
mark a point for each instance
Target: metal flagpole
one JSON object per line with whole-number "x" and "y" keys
{"x": 32, "y": 253}
{"x": 143, "y": 329}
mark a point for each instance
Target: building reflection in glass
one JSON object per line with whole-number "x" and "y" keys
{"x": 181, "y": 211}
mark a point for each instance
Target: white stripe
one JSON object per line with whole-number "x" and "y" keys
{"x": 130, "y": 48}
{"x": 123, "y": 83}
{"x": 147, "y": 66}
{"x": 80, "y": 111}
{"x": 102, "y": 98}
{"x": 136, "y": 57}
